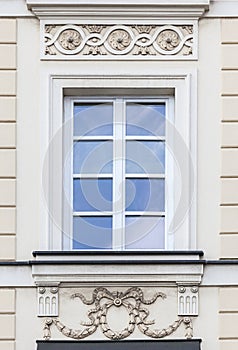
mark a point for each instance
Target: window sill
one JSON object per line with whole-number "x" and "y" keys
{"x": 94, "y": 267}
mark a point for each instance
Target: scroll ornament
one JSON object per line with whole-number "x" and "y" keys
{"x": 133, "y": 301}
{"x": 118, "y": 40}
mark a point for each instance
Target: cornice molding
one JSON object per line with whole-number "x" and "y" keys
{"x": 123, "y": 9}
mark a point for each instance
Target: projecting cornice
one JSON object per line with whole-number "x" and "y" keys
{"x": 122, "y": 9}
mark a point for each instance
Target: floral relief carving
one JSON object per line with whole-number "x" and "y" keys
{"x": 119, "y": 39}
{"x": 69, "y": 39}
{"x": 156, "y": 41}
{"x": 168, "y": 40}
{"x": 133, "y": 301}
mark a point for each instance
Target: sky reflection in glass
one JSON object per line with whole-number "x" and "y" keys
{"x": 93, "y": 119}
{"x": 145, "y": 157}
{"x": 145, "y": 194}
{"x": 144, "y": 232}
{"x": 92, "y": 195}
{"x": 145, "y": 119}
{"x": 93, "y": 157}
{"x": 92, "y": 232}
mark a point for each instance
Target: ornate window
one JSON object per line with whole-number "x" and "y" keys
{"x": 103, "y": 169}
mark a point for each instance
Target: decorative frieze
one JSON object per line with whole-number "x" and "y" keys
{"x": 187, "y": 300}
{"x": 87, "y": 41}
{"x": 133, "y": 301}
{"x": 48, "y": 301}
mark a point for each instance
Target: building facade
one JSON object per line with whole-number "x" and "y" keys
{"x": 118, "y": 174}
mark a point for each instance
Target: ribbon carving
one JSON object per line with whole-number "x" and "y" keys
{"x": 133, "y": 301}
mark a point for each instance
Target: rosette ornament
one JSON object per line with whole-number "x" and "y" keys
{"x": 168, "y": 40}
{"x": 70, "y": 39}
{"x": 119, "y": 39}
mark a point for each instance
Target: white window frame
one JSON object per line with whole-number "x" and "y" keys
{"x": 183, "y": 84}
{"x": 118, "y": 241}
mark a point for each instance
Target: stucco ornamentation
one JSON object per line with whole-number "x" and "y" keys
{"x": 133, "y": 301}
{"x": 70, "y": 39}
{"x": 168, "y": 40}
{"x": 75, "y": 41}
{"x": 119, "y": 39}
{"x": 48, "y": 301}
{"x": 188, "y": 299}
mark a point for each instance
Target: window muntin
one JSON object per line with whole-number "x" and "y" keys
{"x": 119, "y": 165}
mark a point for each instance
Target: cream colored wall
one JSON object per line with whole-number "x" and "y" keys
{"x": 229, "y": 142}
{"x": 208, "y": 131}
{"x": 228, "y": 318}
{"x": 228, "y": 314}
{"x": 7, "y": 319}
{"x": 8, "y": 66}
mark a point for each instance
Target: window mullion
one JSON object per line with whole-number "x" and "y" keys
{"x": 119, "y": 175}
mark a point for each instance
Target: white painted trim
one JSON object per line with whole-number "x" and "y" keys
{"x": 108, "y": 273}
{"x": 213, "y": 275}
{"x": 118, "y": 8}
{"x": 217, "y": 8}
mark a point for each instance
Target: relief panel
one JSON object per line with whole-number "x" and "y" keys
{"x": 102, "y": 41}
{"x": 117, "y": 314}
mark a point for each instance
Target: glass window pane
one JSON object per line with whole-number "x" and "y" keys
{"x": 145, "y": 157}
{"x": 92, "y": 232}
{"x": 144, "y": 232}
{"x": 145, "y": 119}
{"x": 93, "y": 157}
{"x": 93, "y": 119}
{"x": 145, "y": 194}
{"x": 92, "y": 194}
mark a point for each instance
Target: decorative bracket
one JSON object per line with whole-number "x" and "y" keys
{"x": 188, "y": 300}
{"x": 48, "y": 301}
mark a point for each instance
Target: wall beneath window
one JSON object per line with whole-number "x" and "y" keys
{"x": 7, "y": 319}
